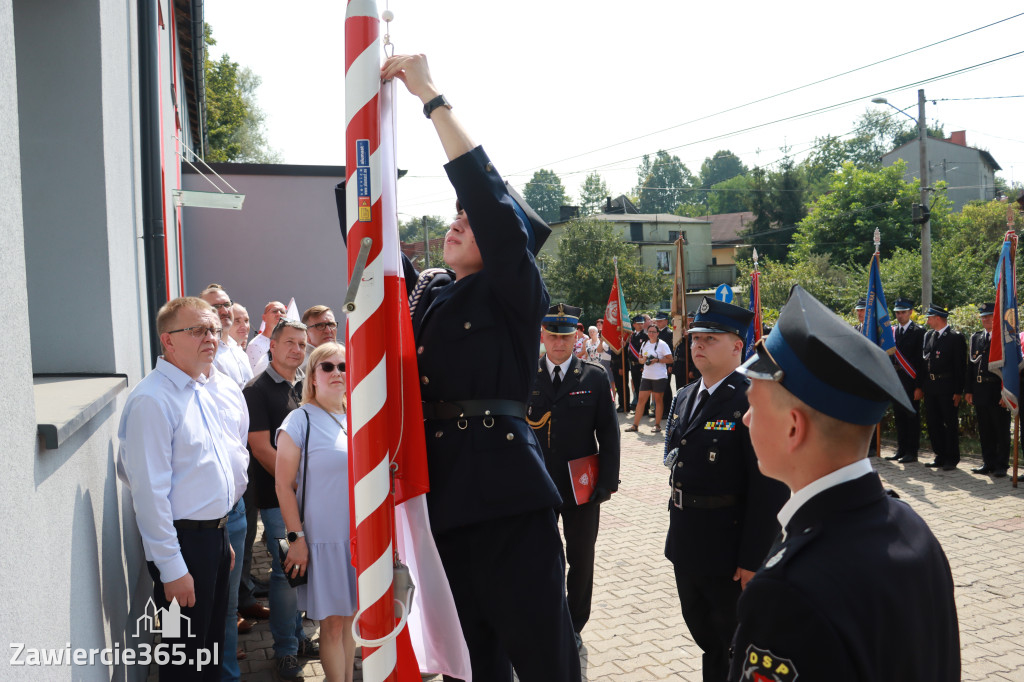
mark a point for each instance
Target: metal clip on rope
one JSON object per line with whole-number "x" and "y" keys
{"x": 402, "y": 581}
{"x": 357, "y": 274}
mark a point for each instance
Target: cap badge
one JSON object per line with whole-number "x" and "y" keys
{"x": 704, "y": 307}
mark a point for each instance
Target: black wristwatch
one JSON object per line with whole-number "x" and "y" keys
{"x": 438, "y": 101}
{"x": 293, "y": 536}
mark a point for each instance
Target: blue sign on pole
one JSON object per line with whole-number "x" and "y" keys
{"x": 724, "y": 293}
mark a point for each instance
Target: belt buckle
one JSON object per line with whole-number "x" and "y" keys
{"x": 677, "y": 498}
{"x": 931, "y": 376}
{"x": 462, "y": 424}
{"x": 223, "y": 522}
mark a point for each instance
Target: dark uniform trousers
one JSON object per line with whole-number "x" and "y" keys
{"x": 621, "y": 380}
{"x": 857, "y": 590}
{"x": 207, "y": 555}
{"x": 945, "y": 358}
{"x": 993, "y": 420}
{"x": 908, "y": 424}
{"x": 491, "y": 500}
{"x": 636, "y": 367}
{"x": 722, "y": 514}
{"x": 576, "y": 421}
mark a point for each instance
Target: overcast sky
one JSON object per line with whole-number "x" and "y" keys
{"x": 578, "y": 86}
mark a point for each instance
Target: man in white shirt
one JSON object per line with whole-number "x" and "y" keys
{"x": 260, "y": 345}
{"x": 856, "y": 587}
{"x": 230, "y": 359}
{"x": 240, "y": 329}
{"x": 176, "y": 456}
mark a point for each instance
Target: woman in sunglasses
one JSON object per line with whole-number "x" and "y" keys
{"x": 318, "y": 533}
{"x": 656, "y": 354}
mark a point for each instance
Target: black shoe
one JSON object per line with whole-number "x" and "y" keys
{"x": 933, "y": 465}
{"x": 907, "y": 459}
{"x": 288, "y": 668}
{"x": 308, "y": 649}
{"x": 981, "y": 470}
{"x": 948, "y": 467}
{"x": 998, "y": 474}
{"x": 898, "y": 456}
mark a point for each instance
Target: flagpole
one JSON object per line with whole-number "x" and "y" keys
{"x": 622, "y": 346}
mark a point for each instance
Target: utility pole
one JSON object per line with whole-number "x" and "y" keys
{"x": 426, "y": 244}
{"x": 926, "y": 227}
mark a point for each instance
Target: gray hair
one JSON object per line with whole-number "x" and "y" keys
{"x": 284, "y": 323}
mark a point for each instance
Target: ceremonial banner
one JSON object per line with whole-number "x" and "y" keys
{"x": 616, "y": 317}
{"x": 756, "y": 324}
{"x": 876, "y": 318}
{"x": 1004, "y": 354}
{"x": 679, "y": 295}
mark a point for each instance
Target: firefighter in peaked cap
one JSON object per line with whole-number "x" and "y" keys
{"x": 721, "y": 507}
{"x": 945, "y": 360}
{"x": 984, "y": 391}
{"x": 856, "y": 587}
{"x": 573, "y": 416}
{"x": 491, "y": 500}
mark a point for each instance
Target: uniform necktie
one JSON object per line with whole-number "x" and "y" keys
{"x": 702, "y": 398}
{"x": 557, "y": 380}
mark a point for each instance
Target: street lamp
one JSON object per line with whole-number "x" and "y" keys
{"x": 926, "y": 227}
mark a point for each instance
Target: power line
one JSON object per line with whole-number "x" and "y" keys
{"x": 778, "y": 94}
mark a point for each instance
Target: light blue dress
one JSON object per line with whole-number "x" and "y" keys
{"x": 331, "y": 588}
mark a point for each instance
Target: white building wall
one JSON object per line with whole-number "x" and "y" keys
{"x": 967, "y": 176}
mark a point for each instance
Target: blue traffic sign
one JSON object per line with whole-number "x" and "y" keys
{"x": 724, "y": 293}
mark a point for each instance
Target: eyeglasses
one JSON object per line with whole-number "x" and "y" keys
{"x": 199, "y": 332}
{"x": 324, "y": 325}
{"x": 330, "y": 366}
{"x": 225, "y": 306}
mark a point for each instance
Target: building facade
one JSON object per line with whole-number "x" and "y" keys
{"x": 95, "y": 100}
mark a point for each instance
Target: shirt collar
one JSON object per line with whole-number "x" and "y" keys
{"x": 299, "y": 375}
{"x": 551, "y": 365}
{"x": 861, "y": 467}
{"x": 173, "y": 372}
{"x": 714, "y": 387}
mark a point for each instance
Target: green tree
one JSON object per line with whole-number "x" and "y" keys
{"x": 583, "y": 270}
{"x": 842, "y": 222}
{"x": 730, "y": 196}
{"x": 545, "y": 193}
{"x": 234, "y": 119}
{"x": 593, "y": 193}
{"x": 724, "y": 165}
{"x": 662, "y": 183}
{"x": 412, "y": 229}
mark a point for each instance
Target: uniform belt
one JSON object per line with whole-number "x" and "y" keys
{"x": 189, "y": 524}
{"x": 681, "y": 499}
{"x": 985, "y": 379}
{"x": 463, "y": 409}
{"x": 941, "y": 375}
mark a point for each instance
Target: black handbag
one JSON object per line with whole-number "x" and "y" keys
{"x": 294, "y": 580}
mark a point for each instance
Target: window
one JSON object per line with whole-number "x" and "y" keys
{"x": 636, "y": 232}
{"x": 664, "y": 261}
{"x": 714, "y": 260}
{"x": 673, "y": 235}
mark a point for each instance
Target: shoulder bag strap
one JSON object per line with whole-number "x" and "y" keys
{"x": 305, "y": 468}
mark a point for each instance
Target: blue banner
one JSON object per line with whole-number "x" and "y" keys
{"x": 1005, "y": 357}
{"x": 876, "y": 317}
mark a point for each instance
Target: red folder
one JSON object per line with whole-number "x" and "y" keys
{"x": 583, "y": 472}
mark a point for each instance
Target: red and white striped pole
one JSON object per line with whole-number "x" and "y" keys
{"x": 373, "y": 505}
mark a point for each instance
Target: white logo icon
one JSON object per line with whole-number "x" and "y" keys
{"x": 584, "y": 479}
{"x": 170, "y": 621}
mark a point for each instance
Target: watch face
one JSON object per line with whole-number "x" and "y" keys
{"x": 292, "y": 536}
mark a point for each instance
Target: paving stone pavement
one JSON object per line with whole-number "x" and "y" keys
{"x": 636, "y": 631}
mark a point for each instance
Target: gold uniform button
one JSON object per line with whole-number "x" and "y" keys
{"x": 467, "y": 325}
{"x": 424, "y": 380}
{"x": 682, "y": 442}
{"x": 419, "y": 351}
{"x": 489, "y": 167}
{"x": 510, "y": 436}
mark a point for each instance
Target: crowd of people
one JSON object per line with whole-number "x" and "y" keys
{"x": 778, "y": 527}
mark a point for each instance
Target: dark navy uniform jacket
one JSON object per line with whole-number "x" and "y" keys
{"x": 909, "y": 344}
{"x": 859, "y": 590}
{"x": 716, "y": 459}
{"x": 989, "y": 390}
{"x": 945, "y": 358}
{"x": 477, "y": 338}
{"x": 576, "y": 421}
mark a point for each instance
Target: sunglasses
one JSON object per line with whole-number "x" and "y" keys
{"x": 324, "y": 325}
{"x": 199, "y": 331}
{"x": 330, "y": 366}
{"x": 225, "y": 306}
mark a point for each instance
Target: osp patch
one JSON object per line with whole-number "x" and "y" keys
{"x": 761, "y": 665}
